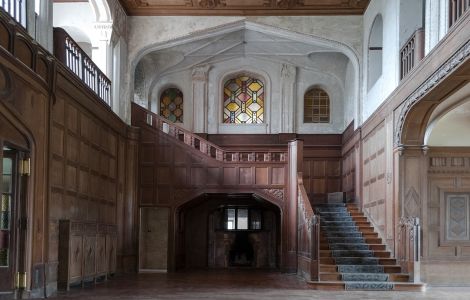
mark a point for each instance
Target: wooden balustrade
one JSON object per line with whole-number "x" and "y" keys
{"x": 412, "y": 52}
{"x": 308, "y": 230}
{"x": 206, "y": 147}
{"x": 69, "y": 52}
{"x": 457, "y": 9}
{"x": 16, "y": 9}
{"x": 409, "y": 246}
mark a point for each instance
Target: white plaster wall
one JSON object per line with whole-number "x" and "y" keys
{"x": 346, "y": 30}
{"x": 410, "y": 18}
{"x": 349, "y": 95}
{"x": 389, "y": 79}
{"x": 182, "y": 81}
{"x": 77, "y": 14}
{"x": 270, "y": 73}
{"x": 334, "y": 87}
{"x": 436, "y": 22}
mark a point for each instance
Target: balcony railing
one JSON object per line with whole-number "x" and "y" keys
{"x": 69, "y": 53}
{"x": 412, "y": 52}
{"x": 456, "y": 9}
{"x": 16, "y": 9}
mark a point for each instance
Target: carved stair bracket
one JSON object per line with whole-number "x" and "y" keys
{"x": 276, "y": 193}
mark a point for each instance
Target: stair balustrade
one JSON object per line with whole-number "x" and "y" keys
{"x": 409, "y": 246}
{"x": 69, "y": 53}
{"x": 204, "y": 146}
{"x": 457, "y": 8}
{"x": 308, "y": 230}
{"x": 412, "y": 52}
{"x": 16, "y": 9}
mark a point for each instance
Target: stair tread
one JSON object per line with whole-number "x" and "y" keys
{"x": 351, "y": 249}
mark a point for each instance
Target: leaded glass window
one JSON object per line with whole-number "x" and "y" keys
{"x": 171, "y": 105}
{"x": 316, "y": 106}
{"x": 244, "y": 100}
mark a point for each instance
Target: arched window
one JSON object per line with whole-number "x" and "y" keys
{"x": 244, "y": 100}
{"x": 375, "y": 51}
{"x": 316, "y": 106}
{"x": 171, "y": 105}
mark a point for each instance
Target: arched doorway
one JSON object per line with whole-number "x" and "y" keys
{"x": 222, "y": 231}
{"x": 15, "y": 169}
{"x": 434, "y": 183}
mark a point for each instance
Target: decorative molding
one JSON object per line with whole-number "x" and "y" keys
{"x": 448, "y": 67}
{"x": 457, "y": 217}
{"x": 201, "y": 73}
{"x": 119, "y": 17}
{"x": 211, "y": 3}
{"x": 276, "y": 193}
{"x": 243, "y": 7}
{"x": 412, "y": 203}
{"x": 288, "y": 71}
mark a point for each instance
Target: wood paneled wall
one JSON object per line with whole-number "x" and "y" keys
{"x": 171, "y": 173}
{"x": 322, "y": 166}
{"x": 81, "y": 152}
{"x": 322, "y": 157}
{"x": 373, "y": 179}
{"x": 350, "y": 174}
{"x": 446, "y": 215}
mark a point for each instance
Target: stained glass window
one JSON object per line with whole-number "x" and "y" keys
{"x": 316, "y": 106}
{"x": 171, "y": 105}
{"x": 243, "y": 100}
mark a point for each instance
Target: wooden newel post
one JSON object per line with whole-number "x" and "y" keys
{"x": 290, "y": 224}
{"x": 315, "y": 249}
{"x": 417, "y": 251}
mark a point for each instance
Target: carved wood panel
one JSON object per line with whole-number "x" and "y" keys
{"x": 447, "y": 232}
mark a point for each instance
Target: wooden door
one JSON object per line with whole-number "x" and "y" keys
{"x": 12, "y": 216}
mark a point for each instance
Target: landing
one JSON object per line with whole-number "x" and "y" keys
{"x": 235, "y": 284}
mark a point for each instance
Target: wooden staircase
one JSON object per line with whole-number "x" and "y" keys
{"x": 330, "y": 276}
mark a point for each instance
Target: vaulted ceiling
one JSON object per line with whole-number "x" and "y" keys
{"x": 244, "y": 7}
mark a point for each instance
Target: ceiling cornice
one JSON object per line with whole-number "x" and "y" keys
{"x": 243, "y": 7}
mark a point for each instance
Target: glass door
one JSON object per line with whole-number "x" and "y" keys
{"x": 12, "y": 216}
{"x": 6, "y": 215}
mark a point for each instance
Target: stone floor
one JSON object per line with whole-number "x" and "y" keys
{"x": 236, "y": 284}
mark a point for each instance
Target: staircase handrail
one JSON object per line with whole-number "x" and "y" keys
{"x": 409, "y": 246}
{"x": 206, "y": 147}
{"x": 313, "y": 227}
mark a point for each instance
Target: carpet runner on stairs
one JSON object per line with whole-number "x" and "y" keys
{"x": 355, "y": 261}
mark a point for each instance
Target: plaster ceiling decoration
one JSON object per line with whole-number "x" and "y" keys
{"x": 244, "y": 7}
{"x": 244, "y": 43}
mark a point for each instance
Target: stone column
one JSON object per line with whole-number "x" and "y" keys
{"x": 200, "y": 95}
{"x": 288, "y": 98}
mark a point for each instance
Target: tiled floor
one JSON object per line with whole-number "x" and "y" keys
{"x": 235, "y": 284}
